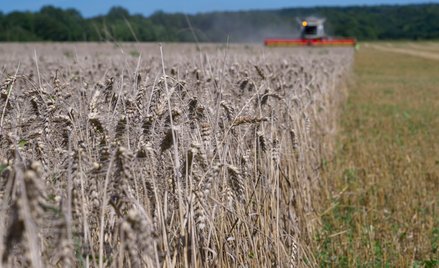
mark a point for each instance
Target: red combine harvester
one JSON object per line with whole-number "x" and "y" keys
{"x": 312, "y": 34}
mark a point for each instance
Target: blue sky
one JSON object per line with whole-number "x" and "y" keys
{"x": 94, "y": 7}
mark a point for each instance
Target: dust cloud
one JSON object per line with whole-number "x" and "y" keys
{"x": 250, "y": 30}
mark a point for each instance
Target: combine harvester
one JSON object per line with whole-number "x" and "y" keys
{"x": 312, "y": 34}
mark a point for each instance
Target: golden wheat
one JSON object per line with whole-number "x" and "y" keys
{"x": 166, "y": 160}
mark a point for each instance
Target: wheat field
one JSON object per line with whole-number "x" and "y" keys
{"x": 149, "y": 155}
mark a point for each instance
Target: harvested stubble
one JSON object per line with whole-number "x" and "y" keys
{"x": 108, "y": 159}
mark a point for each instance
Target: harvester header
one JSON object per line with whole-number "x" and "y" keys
{"x": 312, "y": 33}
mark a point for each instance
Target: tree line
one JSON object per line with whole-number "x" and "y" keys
{"x": 384, "y": 22}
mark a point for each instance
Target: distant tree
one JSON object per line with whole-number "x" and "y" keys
{"x": 118, "y": 13}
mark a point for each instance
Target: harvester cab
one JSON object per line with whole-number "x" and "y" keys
{"x": 312, "y": 28}
{"x": 312, "y": 33}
